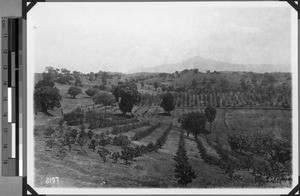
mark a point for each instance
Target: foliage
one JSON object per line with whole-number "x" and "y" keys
{"x": 104, "y": 98}
{"x": 184, "y": 171}
{"x": 46, "y": 98}
{"x": 74, "y": 117}
{"x": 69, "y": 137}
{"x": 210, "y": 114}
{"x": 141, "y": 134}
{"x": 96, "y": 119}
{"x": 115, "y": 157}
{"x": 239, "y": 142}
{"x": 167, "y": 103}
{"x": 44, "y": 82}
{"x": 103, "y": 154}
{"x": 91, "y": 92}
{"x": 73, "y": 91}
{"x": 128, "y": 127}
{"x": 163, "y": 138}
{"x": 127, "y": 153}
{"x": 103, "y": 141}
{"x": 193, "y": 122}
{"x": 93, "y": 144}
{"x": 155, "y": 85}
{"x": 121, "y": 140}
{"x": 129, "y": 96}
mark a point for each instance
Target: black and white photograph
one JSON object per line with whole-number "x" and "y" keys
{"x": 162, "y": 97}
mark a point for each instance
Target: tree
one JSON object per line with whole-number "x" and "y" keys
{"x": 74, "y": 117}
{"x": 73, "y": 91}
{"x": 129, "y": 96}
{"x": 127, "y": 153}
{"x": 92, "y": 145}
{"x": 184, "y": 171}
{"x": 167, "y": 102}
{"x": 103, "y": 141}
{"x": 210, "y": 114}
{"x": 193, "y": 122}
{"x": 155, "y": 85}
{"x": 46, "y": 98}
{"x": 104, "y": 98}
{"x": 104, "y": 78}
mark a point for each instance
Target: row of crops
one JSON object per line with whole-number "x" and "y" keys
{"x": 221, "y": 99}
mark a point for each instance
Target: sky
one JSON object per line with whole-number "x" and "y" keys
{"x": 122, "y": 36}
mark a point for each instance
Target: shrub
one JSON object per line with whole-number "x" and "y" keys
{"x": 93, "y": 144}
{"x": 121, "y": 140}
{"x": 75, "y": 117}
{"x": 103, "y": 154}
{"x": 128, "y": 127}
{"x": 142, "y": 134}
{"x": 162, "y": 139}
{"x": 184, "y": 171}
{"x": 127, "y": 153}
{"x": 96, "y": 119}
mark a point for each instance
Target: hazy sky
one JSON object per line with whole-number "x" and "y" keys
{"x": 122, "y": 36}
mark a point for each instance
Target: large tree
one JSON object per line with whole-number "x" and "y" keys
{"x": 46, "y": 98}
{"x": 104, "y": 98}
{"x": 91, "y": 92}
{"x": 210, "y": 114}
{"x": 129, "y": 96}
{"x": 73, "y": 91}
{"x": 167, "y": 102}
{"x": 193, "y": 122}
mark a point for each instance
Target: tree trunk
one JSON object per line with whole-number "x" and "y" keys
{"x": 105, "y": 111}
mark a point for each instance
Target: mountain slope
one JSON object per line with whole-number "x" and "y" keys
{"x": 208, "y": 64}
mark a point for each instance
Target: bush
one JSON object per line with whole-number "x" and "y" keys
{"x": 127, "y": 153}
{"x": 162, "y": 139}
{"x": 139, "y": 135}
{"x": 96, "y": 119}
{"x": 128, "y": 127}
{"x": 75, "y": 117}
{"x": 93, "y": 144}
{"x": 121, "y": 140}
{"x": 184, "y": 171}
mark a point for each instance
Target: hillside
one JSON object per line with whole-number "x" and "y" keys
{"x": 204, "y": 64}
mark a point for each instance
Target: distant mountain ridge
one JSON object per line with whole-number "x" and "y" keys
{"x": 204, "y": 64}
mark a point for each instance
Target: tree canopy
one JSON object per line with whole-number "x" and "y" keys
{"x": 167, "y": 102}
{"x": 73, "y": 91}
{"x": 193, "y": 122}
{"x": 46, "y": 98}
{"x": 210, "y": 114}
{"x": 129, "y": 96}
{"x": 104, "y": 98}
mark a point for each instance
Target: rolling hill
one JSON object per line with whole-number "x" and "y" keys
{"x": 208, "y": 64}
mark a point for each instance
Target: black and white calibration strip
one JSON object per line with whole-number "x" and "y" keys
{"x": 11, "y": 96}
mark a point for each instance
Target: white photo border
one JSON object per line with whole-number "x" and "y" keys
{"x": 169, "y": 191}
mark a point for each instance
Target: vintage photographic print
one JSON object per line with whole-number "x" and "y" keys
{"x": 169, "y": 96}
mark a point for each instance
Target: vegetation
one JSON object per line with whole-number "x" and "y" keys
{"x": 210, "y": 114}
{"x": 249, "y": 142}
{"x": 193, "y": 122}
{"x": 46, "y": 98}
{"x": 74, "y": 117}
{"x": 184, "y": 171}
{"x": 74, "y": 91}
{"x": 104, "y": 98}
{"x": 142, "y": 134}
{"x": 129, "y": 96}
{"x": 91, "y": 92}
{"x": 167, "y": 102}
